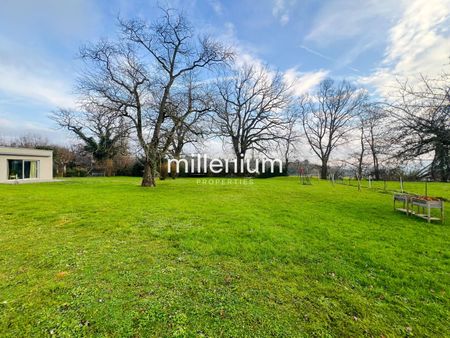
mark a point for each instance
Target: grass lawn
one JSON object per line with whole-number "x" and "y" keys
{"x": 102, "y": 256}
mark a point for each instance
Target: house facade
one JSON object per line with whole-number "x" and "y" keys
{"x": 23, "y": 164}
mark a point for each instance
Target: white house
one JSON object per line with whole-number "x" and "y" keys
{"x": 23, "y": 164}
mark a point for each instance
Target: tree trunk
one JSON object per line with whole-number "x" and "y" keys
{"x": 361, "y": 155}
{"x": 324, "y": 169}
{"x": 286, "y": 165}
{"x": 440, "y": 167}
{"x": 148, "y": 179}
{"x": 376, "y": 167}
{"x": 240, "y": 155}
{"x": 238, "y": 165}
{"x": 60, "y": 170}
{"x": 109, "y": 167}
{"x": 173, "y": 172}
{"x": 286, "y": 168}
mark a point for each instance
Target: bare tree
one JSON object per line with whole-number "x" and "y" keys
{"x": 362, "y": 145}
{"x": 369, "y": 129}
{"x": 195, "y": 102}
{"x": 422, "y": 123}
{"x": 327, "y": 117}
{"x": 103, "y": 133}
{"x": 136, "y": 76}
{"x": 375, "y": 134}
{"x": 290, "y": 136}
{"x": 191, "y": 106}
{"x": 248, "y": 110}
{"x": 62, "y": 156}
{"x": 28, "y": 141}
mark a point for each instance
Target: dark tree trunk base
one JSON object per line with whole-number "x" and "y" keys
{"x": 146, "y": 183}
{"x": 324, "y": 171}
{"x": 148, "y": 179}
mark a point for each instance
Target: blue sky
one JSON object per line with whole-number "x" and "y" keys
{"x": 369, "y": 42}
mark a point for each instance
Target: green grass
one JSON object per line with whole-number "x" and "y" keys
{"x": 104, "y": 257}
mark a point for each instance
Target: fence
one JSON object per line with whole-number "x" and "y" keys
{"x": 425, "y": 188}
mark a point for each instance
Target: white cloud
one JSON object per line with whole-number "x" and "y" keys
{"x": 14, "y": 127}
{"x": 34, "y": 38}
{"x": 6, "y": 123}
{"x": 343, "y": 19}
{"x": 303, "y": 82}
{"x": 245, "y": 54}
{"x": 216, "y": 5}
{"x": 419, "y": 42}
{"x": 19, "y": 82}
{"x": 281, "y": 9}
{"x": 284, "y": 19}
{"x": 361, "y": 26}
{"x": 419, "y": 29}
{"x": 66, "y": 19}
{"x": 33, "y": 78}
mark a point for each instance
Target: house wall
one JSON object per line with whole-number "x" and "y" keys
{"x": 45, "y": 158}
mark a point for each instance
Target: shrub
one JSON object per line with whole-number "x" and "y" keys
{"x": 76, "y": 172}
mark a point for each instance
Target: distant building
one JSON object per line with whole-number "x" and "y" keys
{"x": 23, "y": 164}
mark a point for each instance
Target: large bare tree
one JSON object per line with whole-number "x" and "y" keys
{"x": 136, "y": 77}
{"x": 327, "y": 117}
{"x": 422, "y": 123}
{"x": 248, "y": 110}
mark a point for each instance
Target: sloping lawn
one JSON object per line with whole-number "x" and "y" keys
{"x": 105, "y": 257}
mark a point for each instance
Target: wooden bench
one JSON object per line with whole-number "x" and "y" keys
{"x": 424, "y": 206}
{"x": 427, "y": 206}
{"x": 405, "y": 199}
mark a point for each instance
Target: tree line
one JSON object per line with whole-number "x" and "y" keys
{"x": 161, "y": 86}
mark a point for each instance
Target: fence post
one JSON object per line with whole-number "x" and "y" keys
{"x": 401, "y": 184}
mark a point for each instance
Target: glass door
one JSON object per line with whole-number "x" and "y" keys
{"x": 15, "y": 169}
{"x": 30, "y": 169}
{"x": 19, "y": 169}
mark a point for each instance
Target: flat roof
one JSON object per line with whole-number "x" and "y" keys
{"x": 14, "y": 151}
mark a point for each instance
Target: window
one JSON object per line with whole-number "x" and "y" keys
{"x": 15, "y": 169}
{"x": 19, "y": 169}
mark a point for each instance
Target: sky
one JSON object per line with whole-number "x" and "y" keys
{"x": 369, "y": 42}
